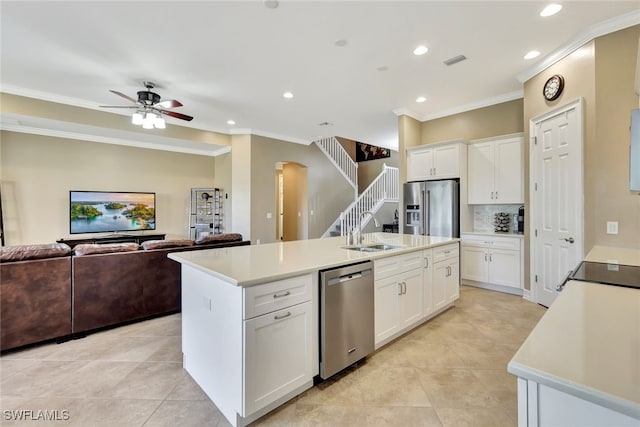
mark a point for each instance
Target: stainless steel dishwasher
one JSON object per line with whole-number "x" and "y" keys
{"x": 346, "y": 316}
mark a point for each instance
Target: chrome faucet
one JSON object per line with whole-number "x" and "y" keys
{"x": 375, "y": 221}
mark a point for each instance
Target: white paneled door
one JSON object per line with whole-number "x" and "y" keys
{"x": 556, "y": 191}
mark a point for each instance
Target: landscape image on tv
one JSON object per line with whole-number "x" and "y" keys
{"x": 101, "y": 211}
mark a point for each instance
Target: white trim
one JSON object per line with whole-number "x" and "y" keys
{"x": 578, "y": 105}
{"x": 505, "y": 97}
{"x": 517, "y": 94}
{"x": 14, "y": 126}
{"x": 597, "y": 30}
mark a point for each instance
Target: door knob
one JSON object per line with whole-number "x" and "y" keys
{"x": 570, "y": 239}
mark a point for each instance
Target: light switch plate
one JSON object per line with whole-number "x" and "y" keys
{"x": 612, "y": 227}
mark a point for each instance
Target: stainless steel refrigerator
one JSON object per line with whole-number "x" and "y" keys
{"x": 432, "y": 208}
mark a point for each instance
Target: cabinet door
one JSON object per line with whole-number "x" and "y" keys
{"x": 446, "y": 162}
{"x": 452, "y": 287}
{"x": 420, "y": 164}
{"x": 278, "y": 355}
{"x": 427, "y": 283}
{"x": 387, "y": 308}
{"x": 440, "y": 274}
{"x": 480, "y": 188}
{"x": 504, "y": 267}
{"x": 474, "y": 263}
{"x": 509, "y": 171}
{"x": 411, "y": 299}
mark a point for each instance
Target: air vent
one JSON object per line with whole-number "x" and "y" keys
{"x": 455, "y": 59}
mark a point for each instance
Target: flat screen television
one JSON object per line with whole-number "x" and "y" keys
{"x": 111, "y": 211}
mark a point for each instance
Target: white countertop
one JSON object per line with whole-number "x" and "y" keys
{"x": 493, "y": 233}
{"x": 254, "y": 264}
{"x": 588, "y": 345}
{"x": 614, "y": 255}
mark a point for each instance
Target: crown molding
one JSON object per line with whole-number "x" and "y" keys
{"x": 257, "y": 132}
{"x": 56, "y": 129}
{"x": 475, "y": 105}
{"x": 406, "y": 112}
{"x": 597, "y": 30}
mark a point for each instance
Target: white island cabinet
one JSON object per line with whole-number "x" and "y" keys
{"x": 580, "y": 366}
{"x": 250, "y": 314}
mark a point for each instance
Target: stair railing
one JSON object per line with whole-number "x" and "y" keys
{"x": 340, "y": 158}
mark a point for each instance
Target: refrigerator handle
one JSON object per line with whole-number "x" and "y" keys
{"x": 427, "y": 214}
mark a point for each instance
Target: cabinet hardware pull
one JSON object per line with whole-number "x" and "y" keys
{"x": 447, "y": 252}
{"x": 400, "y": 288}
{"x": 485, "y": 257}
{"x": 282, "y": 295}
{"x": 492, "y": 195}
{"x": 404, "y": 286}
{"x": 496, "y": 195}
{"x": 426, "y": 263}
{"x": 276, "y": 317}
{"x": 490, "y": 257}
{"x": 351, "y": 350}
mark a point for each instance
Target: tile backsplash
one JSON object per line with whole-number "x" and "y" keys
{"x": 483, "y": 216}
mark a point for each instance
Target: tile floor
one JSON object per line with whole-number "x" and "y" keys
{"x": 451, "y": 371}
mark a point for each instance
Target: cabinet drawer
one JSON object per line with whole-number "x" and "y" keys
{"x": 442, "y": 253}
{"x": 262, "y": 299}
{"x": 497, "y": 242}
{"x": 397, "y": 264}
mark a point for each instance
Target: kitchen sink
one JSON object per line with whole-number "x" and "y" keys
{"x": 375, "y": 247}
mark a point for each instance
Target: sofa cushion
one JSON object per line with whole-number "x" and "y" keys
{"x": 92, "y": 248}
{"x": 27, "y": 252}
{"x": 161, "y": 244}
{"x": 215, "y": 238}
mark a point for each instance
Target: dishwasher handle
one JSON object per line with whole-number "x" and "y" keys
{"x": 349, "y": 277}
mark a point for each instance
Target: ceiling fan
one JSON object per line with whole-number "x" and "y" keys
{"x": 149, "y": 108}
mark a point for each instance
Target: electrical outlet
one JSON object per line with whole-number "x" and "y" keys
{"x": 612, "y": 227}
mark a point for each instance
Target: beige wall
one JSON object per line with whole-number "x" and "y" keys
{"x": 602, "y": 73}
{"x": 38, "y": 172}
{"x": 328, "y": 192}
{"x": 222, "y": 179}
{"x": 615, "y": 98}
{"x": 500, "y": 119}
{"x": 241, "y": 186}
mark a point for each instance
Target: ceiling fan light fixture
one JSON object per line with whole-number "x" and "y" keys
{"x": 160, "y": 123}
{"x": 137, "y": 118}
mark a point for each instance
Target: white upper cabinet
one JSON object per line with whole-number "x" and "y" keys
{"x": 435, "y": 161}
{"x": 496, "y": 172}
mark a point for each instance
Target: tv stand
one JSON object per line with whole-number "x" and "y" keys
{"x": 114, "y": 238}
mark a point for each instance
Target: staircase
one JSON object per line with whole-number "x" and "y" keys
{"x": 336, "y": 153}
{"x": 385, "y": 188}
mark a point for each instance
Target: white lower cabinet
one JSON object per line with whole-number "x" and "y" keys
{"x": 540, "y": 406}
{"x": 277, "y": 355}
{"x": 446, "y": 275}
{"x": 398, "y": 303}
{"x": 411, "y": 287}
{"x": 250, "y": 349}
{"x": 492, "y": 260}
{"x": 427, "y": 283}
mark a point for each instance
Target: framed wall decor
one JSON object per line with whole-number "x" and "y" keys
{"x": 366, "y": 152}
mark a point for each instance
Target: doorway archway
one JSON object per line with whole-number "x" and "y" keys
{"x": 291, "y": 201}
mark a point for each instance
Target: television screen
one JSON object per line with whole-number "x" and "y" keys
{"x": 108, "y": 211}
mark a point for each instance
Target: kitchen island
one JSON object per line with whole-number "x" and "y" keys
{"x": 250, "y": 314}
{"x": 580, "y": 366}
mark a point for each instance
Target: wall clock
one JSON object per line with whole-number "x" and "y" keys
{"x": 553, "y": 87}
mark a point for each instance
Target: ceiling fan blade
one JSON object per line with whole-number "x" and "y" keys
{"x": 135, "y": 101}
{"x": 176, "y": 115}
{"x": 171, "y": 103}
{"x": 118, "y": 106}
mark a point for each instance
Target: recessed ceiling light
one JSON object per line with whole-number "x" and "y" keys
{"x": 531, "y": 54}
{"x": 421, "y": 99}
{"x": 420, "y": 50}
{"x": 271, "y": 4}
{"x": 341, "y": 43}
{"x": 551, "y": 9}
{"x": 231, "y": 122}
{"x": 288, "y": 95}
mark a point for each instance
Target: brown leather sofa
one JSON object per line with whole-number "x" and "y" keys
{"x": 128, "y": 284}
{"x": 47, "y": 292}
{"x": 35, "y": 294}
